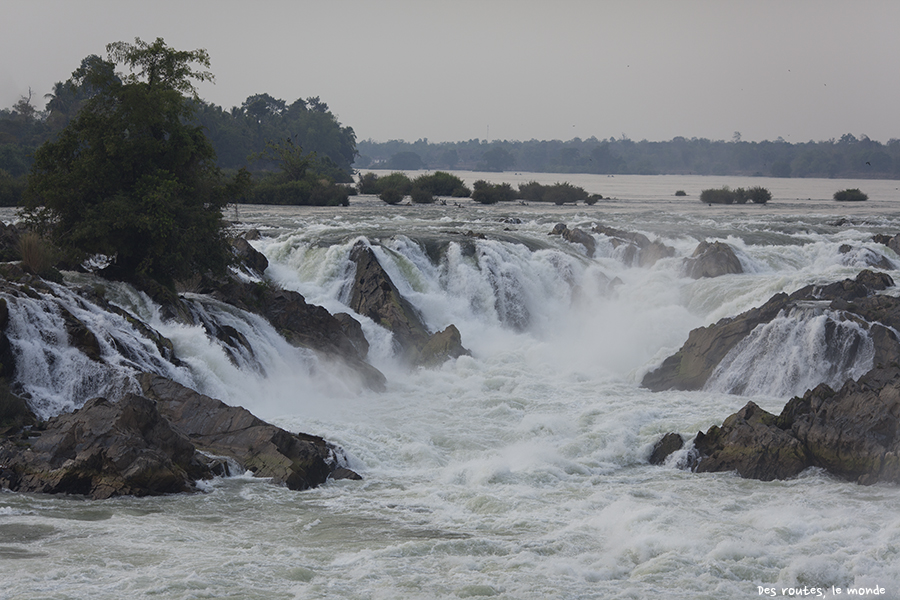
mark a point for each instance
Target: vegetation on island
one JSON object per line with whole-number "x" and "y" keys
{"x": 422, "y": 190}
{"x": 131, "y": 176}
{"x": 726, "y": 195}
{"x": 846, "y": 157}
{"x": 850, "y": 195}
{"x": 235, "y": 135}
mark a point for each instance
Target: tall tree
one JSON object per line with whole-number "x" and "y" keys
{"x": 131, "y": 176}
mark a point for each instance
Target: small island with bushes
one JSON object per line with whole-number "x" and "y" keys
{"x": 850, "y": 195}
{"x": 726, "y": 195}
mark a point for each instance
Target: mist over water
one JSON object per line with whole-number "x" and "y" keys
{"x": 520, "y": 471}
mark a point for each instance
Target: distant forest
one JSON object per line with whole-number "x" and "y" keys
{"x": 848, "y": 157}
{"x": 239, "y": 135}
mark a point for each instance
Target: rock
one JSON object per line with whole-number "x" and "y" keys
{"x": 851, "y": 433}
{"x": 102, "y": 450}
{"x": 298, "y": 461}
{"x": 353, "y": 330}
{"x": 250, "y": 258}
{"x": 301, "y": 324}
{"x": 374, "y": 295}
{"x": 441, "y": 346}
{"x": 667, "y": 444}
{"x": 576, "y": 236}
{"x": 637, "y": 246}
{"x": 892, "y": 242}
{"x": 750, "y": 443}
{"x": 855, "y": 299}
{"x": 712, "y": 260}
{"x": 14, "y": 411}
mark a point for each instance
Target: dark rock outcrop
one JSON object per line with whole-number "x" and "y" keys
{"x": 852, "y": 433}
{"x": 249, "y": 257}
{"x": 104, "y": 449}
{"x": 375, "y": 296}
{"x": 712, "y": 260}
{"x": 298, "y": 461}
{"x": 667, "y": 444}
{"x": 692, "y": 365}
{"x": 158, "y": 443}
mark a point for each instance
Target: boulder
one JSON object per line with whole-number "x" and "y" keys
{"x": 576, "y": 236}
{"x": 375, "y": 296}
{"x": 712, "y": 260}
{"x": 667, "y": 444}
{"x": 851, "y": 433}
{"x": 252, "y": 260}
{"x": 892, "y": 242}
{"x": 296, "y": 460}
{"x": 103, "y": 449}
{"x": 855, "y": 299}
{"x": 441, "y": 346}
{"x": 637, "y": 247}
{"x": 750, "y": 443}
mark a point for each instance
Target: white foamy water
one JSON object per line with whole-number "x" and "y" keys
{"x": 518, "y": 472}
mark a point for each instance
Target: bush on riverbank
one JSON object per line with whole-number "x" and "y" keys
{"x": 492, "y": 193}
{"x": 850, "y": 195}
{"x": 726, "y": 195}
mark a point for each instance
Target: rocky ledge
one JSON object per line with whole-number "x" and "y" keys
{"x": 160, "y": 442}
{"x": 851, "y": 432}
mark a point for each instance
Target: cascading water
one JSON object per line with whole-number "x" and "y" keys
{"x": 518, "y": 472}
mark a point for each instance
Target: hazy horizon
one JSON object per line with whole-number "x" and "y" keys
{"x": 503, "y": 70}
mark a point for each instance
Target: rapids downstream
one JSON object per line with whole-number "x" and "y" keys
{"x": 520, "y": 471}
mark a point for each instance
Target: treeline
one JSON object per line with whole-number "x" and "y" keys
{"x": 241, "y": 137}
{"x": 848, "y": 157}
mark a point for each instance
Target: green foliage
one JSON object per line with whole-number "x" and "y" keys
{"x": 681, "y": 193}
{"x": 850, "y": 195}
{"x": 441, "y": 183}
{"x": 306, "y": 192}
{"x": 559, "y": 193}
{"x": 391, "y": 195}
{"x": 592, "y": 199}
{"x": 420, "y": 195}
{"x": 375, "y": 184}
{"x": 405, "y": 161}
{"x": 490, "y": 193}
{"x": 11, "y": 189}
{"x": 759, "y": 195}
{"x": 367, "y": 183}
{"x": 723, "y": 195}
{"x": 37, "y": 253}
{"x": 131, "y": 176}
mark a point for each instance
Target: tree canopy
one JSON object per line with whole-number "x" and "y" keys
{"x": 132, "y": 176}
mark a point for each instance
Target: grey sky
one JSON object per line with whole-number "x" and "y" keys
{"x": 457, "y": 70}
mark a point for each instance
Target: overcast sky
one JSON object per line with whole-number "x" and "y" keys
{"x": 454, "y": 70}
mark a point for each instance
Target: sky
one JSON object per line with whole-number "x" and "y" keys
{"x": 453, "y": 70}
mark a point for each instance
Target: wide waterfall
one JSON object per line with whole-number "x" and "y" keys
{"x": 518, "y": 471}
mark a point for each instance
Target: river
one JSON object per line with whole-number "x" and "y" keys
{"x": 520, "y": 471}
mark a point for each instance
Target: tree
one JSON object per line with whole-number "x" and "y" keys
{"x": 131, "y": 177}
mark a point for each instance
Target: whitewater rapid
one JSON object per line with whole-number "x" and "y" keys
{"x": 519, "y": 471}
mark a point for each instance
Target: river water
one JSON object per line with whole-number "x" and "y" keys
{"x": 519, "y": 471}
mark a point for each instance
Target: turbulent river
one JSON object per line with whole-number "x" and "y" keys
{"x": 520, "y": 471}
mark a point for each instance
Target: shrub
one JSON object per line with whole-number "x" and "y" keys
{"x": 488, "y": 193}
{"x": 391, "y": 195}
{"x": 441, "y": 183}
{"x": 722, "y": 195}
{"x": 531, "y": 191}
{"x": 592, "y": 199}
{"x": 420, "y": 195}
{"x": 740, "y": 196}
{"x": 850, "y": 195}
{"x": 37, "y": 253}
{"x": 399, "y": 181}
{"x": 368, "y": 183}
{"x": 559, "y": 193}
{"x": 681, "y": 193}
{"x": 11, "y": 189}
{"x": 759, "y": 195}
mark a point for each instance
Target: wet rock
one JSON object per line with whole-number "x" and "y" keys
{"x": 576, "y": 236}
{"x": 102, "y": 450}
{"x": 892, "y": 242}
{"x": 250, "y": 258}
{"x": 637, "y": 247}
{"x": 441, "y": 346}
{"x": 298, "y": 461}
{"x": 667, "y": 444}
{"x": 712, "y": 260}
{"x": 353, "y": 330}
{"x": 374, "y": 295}
{"x": 750, "y": 443}
{"x": 855, "y": 299}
